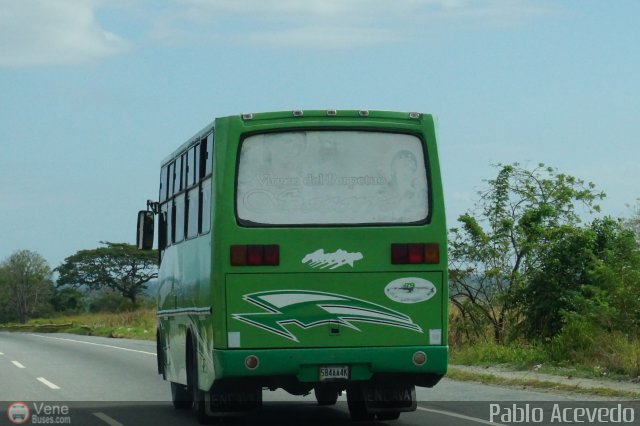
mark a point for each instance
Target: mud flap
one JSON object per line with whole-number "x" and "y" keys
{"x": 382, "y": 398}
{"x": 231, "y": 399}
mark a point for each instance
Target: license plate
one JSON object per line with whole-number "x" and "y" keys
{"x": 334, "y": 372}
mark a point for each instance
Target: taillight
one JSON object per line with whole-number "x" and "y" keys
{"x": 415, "y": 253}
{"x": 255, "y": 255}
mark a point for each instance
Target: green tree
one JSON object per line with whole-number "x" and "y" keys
{"x": 26, "y": 280}
{"x": 614, "y": 278}
{"x": 117, "y": 266}
{"x": 555, "y": 287}
{"x": 500, "y": 241}
{"x": 8, "y": 311}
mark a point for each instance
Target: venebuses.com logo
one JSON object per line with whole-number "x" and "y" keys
{"x": 19, "y": 413}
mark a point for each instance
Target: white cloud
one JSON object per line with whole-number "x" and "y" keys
{"x": 331, "y": 22}
{"x": 45, "y": 32}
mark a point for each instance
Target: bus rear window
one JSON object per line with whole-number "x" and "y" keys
{"x": 331, "y": 177}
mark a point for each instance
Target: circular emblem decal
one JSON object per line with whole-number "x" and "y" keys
{"x": 410, "y": 290}
{"x": 18, "y": 413}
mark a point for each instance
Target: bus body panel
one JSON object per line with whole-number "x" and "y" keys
{"x": 341, "y": 309}
{"x": 185, "y": 304}
{"x": 365, "y": 363}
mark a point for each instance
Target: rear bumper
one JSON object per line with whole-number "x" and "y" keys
{"x": 370, "y": 363}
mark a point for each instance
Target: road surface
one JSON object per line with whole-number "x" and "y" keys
{"x": 85, "y": 380}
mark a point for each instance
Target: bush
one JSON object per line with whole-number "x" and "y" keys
{"x": 577, "y": 337}
{"x": 516, "y": 354}
{"x": 605, "y": 352}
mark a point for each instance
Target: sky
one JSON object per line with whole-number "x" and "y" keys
{"x": 94, "y": 94}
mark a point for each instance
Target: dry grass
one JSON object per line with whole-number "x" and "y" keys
{"x": 138, "y": 324}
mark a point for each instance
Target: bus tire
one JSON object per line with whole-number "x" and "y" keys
{"x": 181, "y": 397}
{"x": 197, "y": 395}
{"x": 160, "y": 355}
{"x": 326, "y": 395}
{"x": 357, "y": 407}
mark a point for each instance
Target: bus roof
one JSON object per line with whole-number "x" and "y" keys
{"x": 302, "y": 114}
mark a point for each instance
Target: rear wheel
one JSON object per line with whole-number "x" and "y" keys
{"x": 197, "y": 395}
{"x": 357, "y": 407}
{"x": 181, "y": 396}
{"x": 326, "y": 395}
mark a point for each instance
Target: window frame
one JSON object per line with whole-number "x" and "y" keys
{"x": 183, "y": 178}
{"x": 420, "y": 136}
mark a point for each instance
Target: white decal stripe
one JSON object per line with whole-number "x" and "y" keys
{"x": 345, "y": 310}
{"x": 288, "y": 299}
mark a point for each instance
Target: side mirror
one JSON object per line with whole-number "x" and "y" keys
{"x": 144, "y": 239}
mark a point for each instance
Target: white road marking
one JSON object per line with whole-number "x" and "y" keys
{"x": 17, "y": 364}
{"x": 96, "y": 344}
{"x": 108, "y": 420}
{"x": 460, "y": 416}
{"x": 1, "y": 353}
{"x": 48, "y": 383}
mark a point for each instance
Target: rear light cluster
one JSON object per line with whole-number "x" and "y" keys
{"x": 415, "y": 253}
{"x": 255, "y": 255}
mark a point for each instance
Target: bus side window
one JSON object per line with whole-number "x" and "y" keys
{"x": 195, "y": 156}
{"x": 209, "y": 154}
{"x": 179, "y": 179}
{"x": 191, "y": 214}
{"x": 188, "y": 160}
{"x": 204, "y": 156}
{"x": 204, "y": 212}
{"x": 162, "y": 231}
{"x": 178, "y": 219}
{"x": 185, "y": 170}
{"x": 164, "y": 184}
{"x": 172, "y": 179}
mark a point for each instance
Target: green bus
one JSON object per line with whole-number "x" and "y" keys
{"x": 302, "y": 250}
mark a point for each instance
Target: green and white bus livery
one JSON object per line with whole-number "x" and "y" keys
{"x": 302, "y": 250}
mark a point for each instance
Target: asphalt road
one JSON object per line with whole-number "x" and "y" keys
{"x": 82, "y": 380}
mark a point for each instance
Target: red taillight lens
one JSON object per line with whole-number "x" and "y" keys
{"x": 272, "y": 255}
{"x": 238, "y": 255}
{"x": 255, "y": 255}
{"x": 415, "y": 253}
{"x": 432, "y": 253}
{"x": 399, "y": 254}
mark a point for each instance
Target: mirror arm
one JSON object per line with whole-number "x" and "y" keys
{"x": 153, "y": 206}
